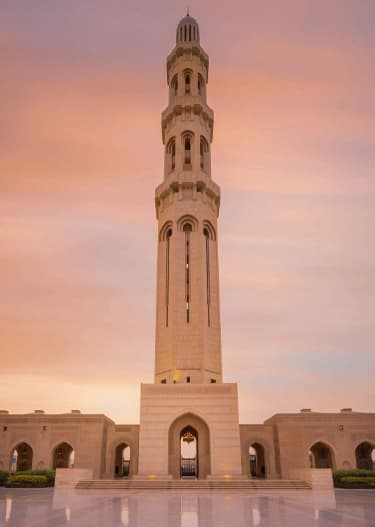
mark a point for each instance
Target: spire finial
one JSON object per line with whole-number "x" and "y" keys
{"x": 188, "y": 9}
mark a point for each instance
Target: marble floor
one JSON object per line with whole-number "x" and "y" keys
{"x": 49, "y": 508}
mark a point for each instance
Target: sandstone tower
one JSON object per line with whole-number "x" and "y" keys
{"x": 188, "y": 347}
{"x": 188, "y": 400}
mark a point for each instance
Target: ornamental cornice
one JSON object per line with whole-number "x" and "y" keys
{"x": 180, "y": 50}
{"x": 178, "y": 109}
{"x": 173, "y": 188}
{"x": 315, "y": 418}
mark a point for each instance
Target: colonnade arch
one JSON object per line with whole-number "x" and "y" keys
{"x": 63, "y": 456}
{"x": 122, "y": 460}
{"x": 365, "y": 456}
{"x": 21, "y": 457}
{"x": 321, "y": 455}
{"x": 257, "y": 460}
{"x": 189, "y": 433}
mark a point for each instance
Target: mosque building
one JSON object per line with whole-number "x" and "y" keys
{"x": 189, "y": 421}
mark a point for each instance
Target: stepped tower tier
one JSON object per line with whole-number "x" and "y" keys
{"x": 188, "y": 341}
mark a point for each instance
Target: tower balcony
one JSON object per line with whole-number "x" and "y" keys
{"x": 183, "y": 107}
{"x": 187, "y": 50}
{"x": 187, "y": 186}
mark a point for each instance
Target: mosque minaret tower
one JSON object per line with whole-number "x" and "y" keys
{"x": 188, "y": 400}
{"x": 188, "y": 347}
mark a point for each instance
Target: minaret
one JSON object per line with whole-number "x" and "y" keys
{"x": 188, "y": 341}
{"x": 188, "y": 400}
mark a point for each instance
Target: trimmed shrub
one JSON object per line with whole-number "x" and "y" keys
{"x": 352, "y": 482}
{"x": 3, "y": 477}
{"x": 27, "y": 480}
{"x": 49, "y": 474}
{"x": 338, "y": 474}
{"x": 355, "y": 478}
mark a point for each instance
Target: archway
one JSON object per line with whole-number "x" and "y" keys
{"x": 321, "y": 456}
{"x": 365, "y": 456}
{"x": 122, "y": 461}
{"x": 189, "y": 447}
{"x": 257, "y": 464}
{"x": 63, "y": 456}
{"x": 21, "y": 458}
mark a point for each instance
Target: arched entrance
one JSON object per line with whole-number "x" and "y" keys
{"x": 63, "y": 456}
{"x": 257, "y": 464}
{"x": 365, "y": 456}
{"x": 321, "y": 456}
{"x": 21, "y": 458}
{"x": 189, "y": 447}
{"x": 122, "y": 461}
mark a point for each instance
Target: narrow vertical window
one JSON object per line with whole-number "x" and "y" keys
{"x": 187, "y": 83}
{"x": 187, "y": 231}
{"x": 203, "y": 150}
{"x": 187, "y": 150}
{"x": 167, "y": 266}
{"x": 171, "y": 155}
{"x": 208, "y": 285}
{"x": 185, "y": 33}
{"x": 174, "y": 86}
{"x": 189, "y": 33}
{"x": 200, "y": 85}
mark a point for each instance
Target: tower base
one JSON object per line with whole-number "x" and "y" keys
{"x": 210, "y": 410}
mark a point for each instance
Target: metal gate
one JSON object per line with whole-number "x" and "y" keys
{"x": 189, "y": 468}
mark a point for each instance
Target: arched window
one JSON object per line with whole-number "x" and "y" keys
{"x": 201, "y": 85}
{"x": 187, "y": 230}
{"x": 167, "y": 273}
{"x": 185, "y": 31}
{"x": 204, "y": 149}
{"x": 187, "y": 150}
{"x": 171, "y": 154}
{"x": 187, "y": 139}
{"x": 166, "y": 235}
{"x": 174, "y": 86}
{"x": 189, "y": 33}
{"x": 187, "y": 83}
{"x": 208, "y": 277}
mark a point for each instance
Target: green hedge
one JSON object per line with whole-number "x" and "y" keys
{"x": 27, "y": 480}
{"x": 355, "y": 478}
{"x": 22, "y": 479}
{"x": 49, "y": 474}
{"x": 352, "y": 482}
{"x": 3, "y": 477}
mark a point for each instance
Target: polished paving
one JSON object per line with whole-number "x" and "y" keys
{"x": 52, "y": 508}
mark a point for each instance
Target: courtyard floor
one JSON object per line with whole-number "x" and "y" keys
{"x": 49, "y": 508}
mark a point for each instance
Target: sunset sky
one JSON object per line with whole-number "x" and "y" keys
{"x": 82, "y": 87}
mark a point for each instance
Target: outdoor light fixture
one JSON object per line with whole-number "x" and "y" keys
{"x": 188, "y": 437}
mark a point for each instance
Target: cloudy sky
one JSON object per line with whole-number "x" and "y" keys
{"x": 82, "y": 86}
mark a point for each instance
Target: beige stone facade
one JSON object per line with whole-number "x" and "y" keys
{"x": 188, "y": 408}
{"x": 286, "y": 439}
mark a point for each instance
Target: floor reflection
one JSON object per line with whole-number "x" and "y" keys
{"x": 48, "y": 508}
